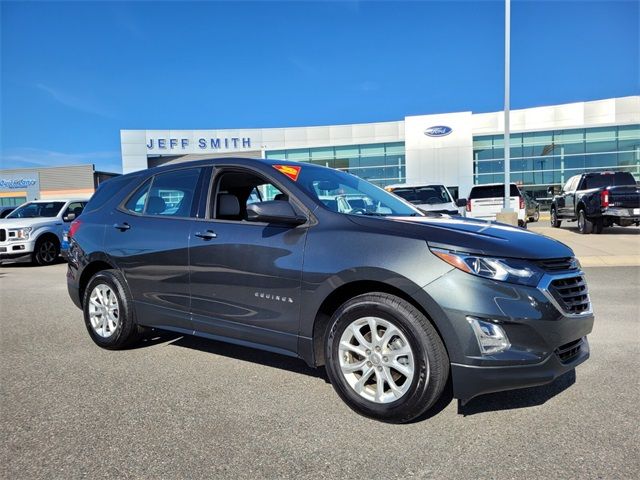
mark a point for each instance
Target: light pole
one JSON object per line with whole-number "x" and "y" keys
{"x": 507, "y": 149}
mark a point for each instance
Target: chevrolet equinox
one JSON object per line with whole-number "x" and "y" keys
{"x": 274, "y": 255}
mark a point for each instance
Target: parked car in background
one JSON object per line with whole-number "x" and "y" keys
{"x": 33, "y": 231}
{"x": 4, "y": 211}
{"x": 428, "y": 197}
{"x": 597, "y": 200}
{"x": 393, "y": 301}
{"x": 486, "y": 201}
{"x": 532, "y": 207}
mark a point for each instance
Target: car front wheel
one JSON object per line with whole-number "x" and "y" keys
{"x": 108, "y": 311}
{"x": 46, "y": 251}
{"x": 385, "y": 359}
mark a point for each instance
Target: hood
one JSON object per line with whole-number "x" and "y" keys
{"x": 471, "y": 236}
{"x": 27, "y": 222}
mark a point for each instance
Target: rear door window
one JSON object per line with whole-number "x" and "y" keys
{"x": 137, "y": 201}
{"x": 172, "y": 193}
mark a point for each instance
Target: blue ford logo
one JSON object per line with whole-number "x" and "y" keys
{"x": 438, "y": 131}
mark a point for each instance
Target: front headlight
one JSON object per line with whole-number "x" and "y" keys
{"x": 19, "y": 234}
{"x": 502, "y": 269}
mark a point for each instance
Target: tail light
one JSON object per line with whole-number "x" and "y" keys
{"x": 469, "y": 205}
{"x": 521, "y": 203}
{"x": 73, "y": 228}
{"x": 604, "y": 198}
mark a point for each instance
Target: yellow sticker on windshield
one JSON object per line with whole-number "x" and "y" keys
{"x": 289, "y": 170}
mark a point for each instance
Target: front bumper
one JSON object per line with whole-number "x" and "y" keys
{"x": 469, "y": 381}
{"x": 16, "y": 250}
{"x": 539, "y": 332}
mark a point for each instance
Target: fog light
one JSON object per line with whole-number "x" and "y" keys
{"x": 491, "y": 337}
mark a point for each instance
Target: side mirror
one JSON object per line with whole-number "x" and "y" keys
{"x": 551, "y": 191}
{"x": 461, "y": 202}
{"x": 274, "y": 211}
{"x": 69, "y": 217}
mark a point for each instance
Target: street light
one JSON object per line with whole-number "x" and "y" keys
{"x": 507, "y": 149}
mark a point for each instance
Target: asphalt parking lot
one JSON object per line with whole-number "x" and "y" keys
{"x": 186, "y": 408}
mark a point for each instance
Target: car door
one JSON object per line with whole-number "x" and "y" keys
{"x": 148, "y": 239}
{"x": 568, "y": 196}
{"x": 246, "y": 276}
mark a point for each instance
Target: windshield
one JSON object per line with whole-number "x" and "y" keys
{"x": 37, "y": 210}
{"x": 345, "y": 193}
{"x": 428, "y": 194}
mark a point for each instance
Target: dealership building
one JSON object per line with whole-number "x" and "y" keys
{"x": 49, "y": 183}
{"x": 548, "y": 145}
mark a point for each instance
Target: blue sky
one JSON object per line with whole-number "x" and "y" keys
{"x": 74, "y": 74}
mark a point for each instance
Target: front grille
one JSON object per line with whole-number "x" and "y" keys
{"x": 569, "y": 351}
{"x": 571, "y": 294}
{"x": 3, "y": 235}
{"x": 567, "y": 264}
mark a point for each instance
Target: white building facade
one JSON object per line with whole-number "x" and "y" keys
{"x": 548, "y": 145}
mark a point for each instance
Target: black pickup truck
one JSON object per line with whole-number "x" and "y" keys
{"x": 597, "y": 200}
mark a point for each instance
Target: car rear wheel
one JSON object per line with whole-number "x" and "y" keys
{"x": 536, "y": 215}
{"x": 585, "y": 226}
{"x": 385, "y": 359}
{"x": 46, "y": 251}
{"x": 553, "y": 218}
{"x": 598, "y": 226}
{"x": 108, "y": 311}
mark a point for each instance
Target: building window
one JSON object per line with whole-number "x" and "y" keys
{"x": 12, "y": 201}
{"x": 379, "y": 163}
{"x": 540, "y": 159}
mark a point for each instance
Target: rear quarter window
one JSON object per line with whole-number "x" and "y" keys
{"x": 106, "y": 191}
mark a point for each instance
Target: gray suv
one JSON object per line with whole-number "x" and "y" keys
{"x": 394, "y": 303}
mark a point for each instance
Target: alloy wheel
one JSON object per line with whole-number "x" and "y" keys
{"x": 47, "y": 251}
{"x": 376, "y": 359}
{"x": 104, "y": 313}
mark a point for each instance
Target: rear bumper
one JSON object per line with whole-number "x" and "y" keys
{"x": 469, "y": 381}
{"x": 626, "y": 213}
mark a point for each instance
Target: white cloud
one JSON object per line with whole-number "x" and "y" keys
{"x": 34, "y": 157}
{"x": 83, "y": 103}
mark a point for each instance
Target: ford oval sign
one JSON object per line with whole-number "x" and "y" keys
{"x": 438, "y": 131}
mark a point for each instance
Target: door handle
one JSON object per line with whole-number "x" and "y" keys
{"x": 208, "y": 235}
{"x": 122, "y": 226}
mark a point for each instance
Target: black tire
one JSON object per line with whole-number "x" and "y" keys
{"x": 598, "y": 226}
{"x": 536, "y": 215}
{"x": 522, "y": 224}
{"x": 46, "y": 251}
{"x": 127, "y": 332}
{"x": 431, "y": 363}
{"x": 585, "y": 226}
{"x": 553, "y": 218}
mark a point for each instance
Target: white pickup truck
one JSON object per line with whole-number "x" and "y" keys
{"x": 34, "y": 230}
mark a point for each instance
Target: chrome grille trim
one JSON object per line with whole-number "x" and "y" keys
{"x": 545, "y": 287}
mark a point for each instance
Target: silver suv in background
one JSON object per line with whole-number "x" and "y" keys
{"x": 428, "y": 197}
{"x": 34, "y": 230}
{"x": 485, "y": 201}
